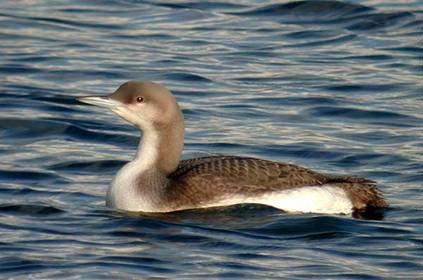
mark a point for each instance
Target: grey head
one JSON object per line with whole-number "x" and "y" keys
{"x": 147, "y": 105}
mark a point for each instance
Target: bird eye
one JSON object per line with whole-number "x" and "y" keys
{"x": 140, "y": 99}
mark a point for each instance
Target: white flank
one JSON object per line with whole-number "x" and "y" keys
{"x": 313, "y": 199}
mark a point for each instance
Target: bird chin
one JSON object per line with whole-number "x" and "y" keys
{"x": 128, "y": 116}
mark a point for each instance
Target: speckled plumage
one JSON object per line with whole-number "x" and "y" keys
{"x": 198, "y": 181}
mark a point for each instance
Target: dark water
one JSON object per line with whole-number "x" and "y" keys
{"x": 333, "y": 86}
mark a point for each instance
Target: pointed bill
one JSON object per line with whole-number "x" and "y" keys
{"x": 104, "y": 102}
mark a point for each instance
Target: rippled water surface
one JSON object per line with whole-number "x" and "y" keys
{"x": 333, "y": 86}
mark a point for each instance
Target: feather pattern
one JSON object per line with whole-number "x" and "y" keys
{"x": 201, "y": 181}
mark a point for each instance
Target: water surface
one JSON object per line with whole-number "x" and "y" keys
{"x": 333, "y": 86}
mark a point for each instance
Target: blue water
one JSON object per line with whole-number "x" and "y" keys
{"x": 333, "y": 86}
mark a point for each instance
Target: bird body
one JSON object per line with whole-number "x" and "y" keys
{"x": 158, "y": 181}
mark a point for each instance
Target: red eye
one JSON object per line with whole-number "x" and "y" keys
{"x": 140, "y": 99}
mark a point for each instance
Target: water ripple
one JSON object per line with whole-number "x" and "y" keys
{"x": 310, "y": 10}
{"x": 32, "y": 210}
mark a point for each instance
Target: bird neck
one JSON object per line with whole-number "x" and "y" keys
{"x": 160, "y": 149}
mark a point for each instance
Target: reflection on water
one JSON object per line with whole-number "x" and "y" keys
{"x": 329, "y": 85}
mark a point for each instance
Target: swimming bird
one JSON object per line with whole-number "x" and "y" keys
{"x": 157, "y": 180}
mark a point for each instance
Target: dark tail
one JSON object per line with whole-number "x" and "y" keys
{"x": 363, "y": 192}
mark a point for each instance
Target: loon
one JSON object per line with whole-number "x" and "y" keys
{"x": 157, "y": 180}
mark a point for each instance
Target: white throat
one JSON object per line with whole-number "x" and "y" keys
{"x": 148, "y": 151}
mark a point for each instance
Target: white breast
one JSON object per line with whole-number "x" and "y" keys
{"x": 124, "y": 192}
